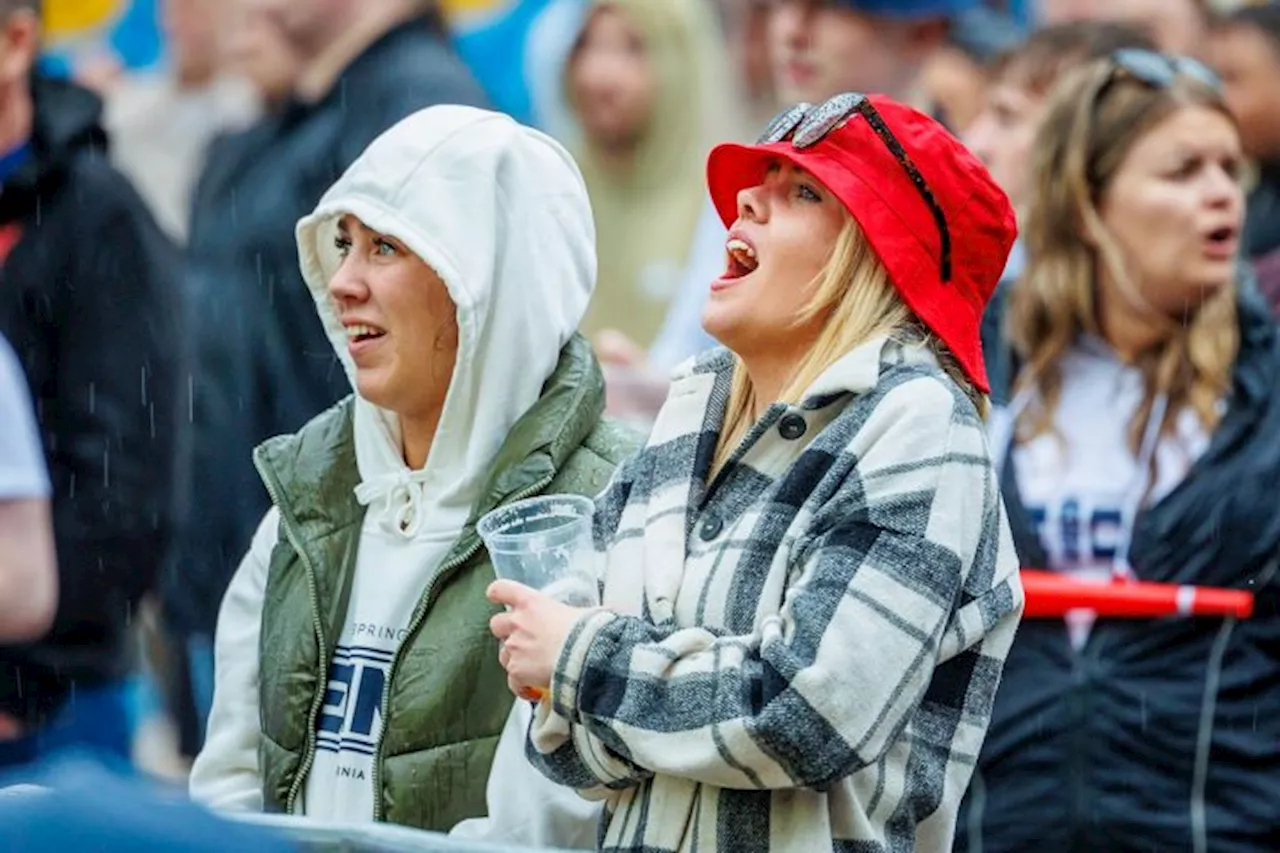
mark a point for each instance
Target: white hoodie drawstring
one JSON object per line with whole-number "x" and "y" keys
{"x": 402, "y": 498}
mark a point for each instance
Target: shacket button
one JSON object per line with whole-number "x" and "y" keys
{"x": 792, "y": 426}
{"x": 711, "y": 527}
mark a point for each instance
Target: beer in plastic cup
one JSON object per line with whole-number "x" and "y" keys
{"x": 545, "y": 543}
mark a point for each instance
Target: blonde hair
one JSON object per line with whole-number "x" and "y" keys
{"x": 854, "y": 301}
{"x": 1090, "y": 125}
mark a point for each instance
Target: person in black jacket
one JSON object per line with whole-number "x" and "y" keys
{"x": 264, "y": 366}
{"x": 89, "y": 298}
{"x": 1138, "y": 421}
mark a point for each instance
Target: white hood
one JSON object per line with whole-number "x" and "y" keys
{"x": 501, "y": 213}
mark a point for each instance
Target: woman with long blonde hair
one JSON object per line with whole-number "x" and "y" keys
{"x": 1137, "y": 424}
{"x": 808, "y": 583}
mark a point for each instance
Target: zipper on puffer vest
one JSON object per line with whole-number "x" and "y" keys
{"x": 424, "y": 604}
{"x": 322, "y": 681}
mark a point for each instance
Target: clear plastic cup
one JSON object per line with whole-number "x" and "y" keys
{"x": 545, "y": 543}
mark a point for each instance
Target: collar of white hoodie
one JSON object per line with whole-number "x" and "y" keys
{"x": 500, "y": 212}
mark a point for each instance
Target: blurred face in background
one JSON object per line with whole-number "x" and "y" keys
{"x": 261, "y": 52}
{"x": 1177, "y": 26}
{"x": 1002, "y": 133}
{"x": 1175, "y": 209}
{"x": 1249, "y": 62}
{"x": 19, "y": 46}
{"x": 612, "y": 83}
{"x": 747, "y": 28}
{"x": 197, "y": 34}
{"x": 819, "y": 48}
{"x": 310, "y": 25}
{"x": 956, "y": 85}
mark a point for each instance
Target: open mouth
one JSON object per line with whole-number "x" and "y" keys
{"x": 1221, "y": 241}
{"x": 360, "y": 333}
{"x": 742, "y": 260}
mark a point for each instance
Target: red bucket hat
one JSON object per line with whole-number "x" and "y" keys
{"x": 946, "y": 286}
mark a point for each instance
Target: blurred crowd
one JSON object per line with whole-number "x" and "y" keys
{"x": 161, "y": 329}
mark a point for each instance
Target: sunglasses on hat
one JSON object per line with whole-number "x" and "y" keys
{"x": 806, "y": 125}
{"x": 1159, "y": 70}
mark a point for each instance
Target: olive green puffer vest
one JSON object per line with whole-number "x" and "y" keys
{"x": 446, "y": 698}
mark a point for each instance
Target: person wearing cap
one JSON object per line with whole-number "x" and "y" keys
{"x": 1136, "y": 419}
{"x": 819, "y": 48}
{"x": 807, "y": 578}
{"x": 957, "y": 76}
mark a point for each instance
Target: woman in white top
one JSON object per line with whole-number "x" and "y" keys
{"x": 1140, "y": 436}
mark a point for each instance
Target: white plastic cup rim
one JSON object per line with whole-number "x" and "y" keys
{"x": 575, "y": 510}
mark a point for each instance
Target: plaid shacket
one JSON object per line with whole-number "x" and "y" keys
{"x": 815, "y": 638}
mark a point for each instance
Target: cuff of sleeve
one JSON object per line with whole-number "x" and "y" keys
{"x": 566, "y": 682}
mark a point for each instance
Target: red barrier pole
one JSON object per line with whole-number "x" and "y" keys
{"x": 1050, "y": 595}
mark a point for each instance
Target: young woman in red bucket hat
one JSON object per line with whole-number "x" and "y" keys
{"x": 808, "y": 581}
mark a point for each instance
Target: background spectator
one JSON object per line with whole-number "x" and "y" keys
{"x": 1137, "y": 434}
{"x": 91, "y": 304}
{"x": 1003, "y": 132}
{"x": 956, "y": 76}
{"x": 161, "y": 122}
{"x": 1176, "y": 26}
{"x": 1245, "y": 50}
{"x": 259, "y": 50}
{"x": 822, "y": 47}
{"x": 648, "y": 83}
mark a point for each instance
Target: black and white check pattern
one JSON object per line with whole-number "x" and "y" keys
{"x": 816, "y": 637}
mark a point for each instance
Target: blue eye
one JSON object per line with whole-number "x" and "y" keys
{"x": 385, "y": 248}
{"x": 808, "y": 193}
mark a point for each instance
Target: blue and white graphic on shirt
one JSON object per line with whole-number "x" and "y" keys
{"x": 349, "y": 725}
{"x": 1080, "y": 530}
{"x": 1080, "y": 480}
{"x": 351, "y": 715}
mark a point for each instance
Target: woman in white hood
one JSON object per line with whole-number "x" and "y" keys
{"x": 356, "y": 676}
